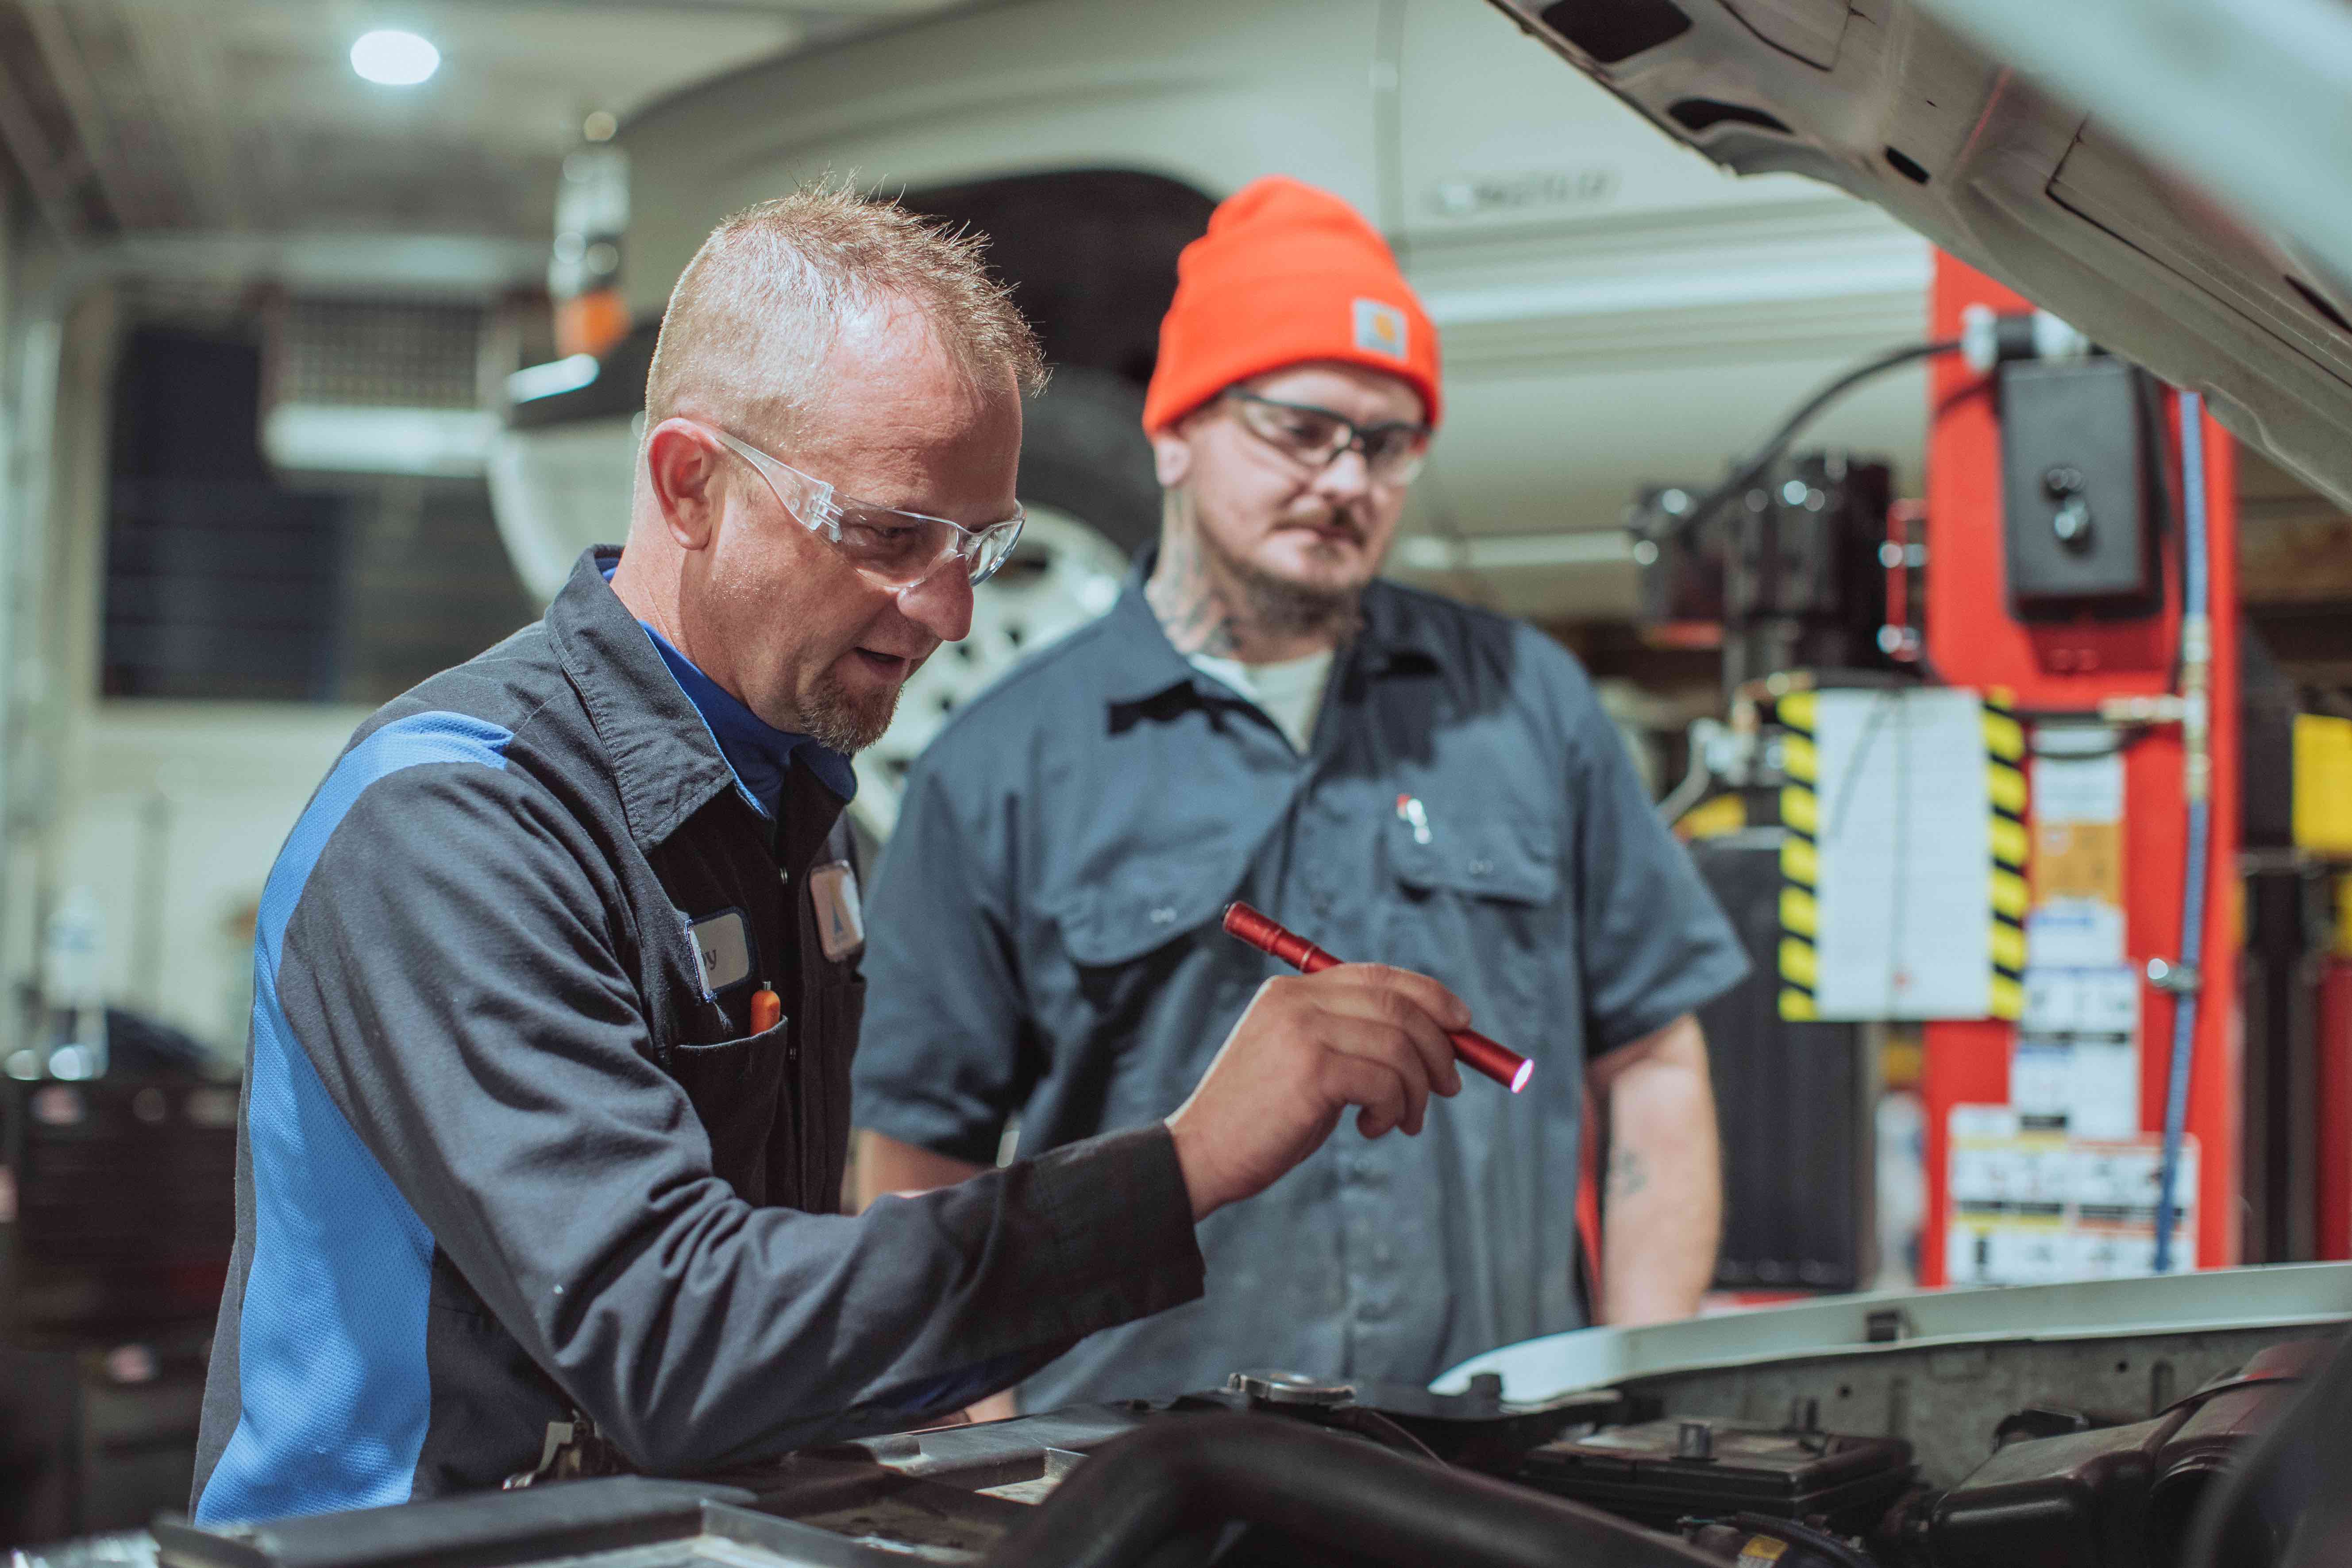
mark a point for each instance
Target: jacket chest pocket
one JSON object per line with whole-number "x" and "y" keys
{"x": 735, "y": 1087}
{"x": 1479, "y": 905}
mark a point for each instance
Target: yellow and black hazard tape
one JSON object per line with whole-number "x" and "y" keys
{"x": 2004, "y": 739}
{"x": 1800, "y": 867}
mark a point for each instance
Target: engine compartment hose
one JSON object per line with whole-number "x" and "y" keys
{"x": 1182, "y": 1473}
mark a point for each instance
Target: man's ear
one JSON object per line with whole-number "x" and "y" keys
{"x": 682, "y": 465}
{"x": 1171, "y": 458}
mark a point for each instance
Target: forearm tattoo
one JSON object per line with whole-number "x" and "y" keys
{"x": 1628, "y": 1172}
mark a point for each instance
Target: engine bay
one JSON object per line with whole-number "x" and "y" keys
{"x": 2089, "y": 1451}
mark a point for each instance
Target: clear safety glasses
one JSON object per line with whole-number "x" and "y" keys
{"x": 1315, "y": 438}
{"x": 898, "y": 549}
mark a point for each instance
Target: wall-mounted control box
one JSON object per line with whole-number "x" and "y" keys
{"x": 2077, "y": 499}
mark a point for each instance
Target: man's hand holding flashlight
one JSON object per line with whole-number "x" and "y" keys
{"x": 1361, "y": 1035}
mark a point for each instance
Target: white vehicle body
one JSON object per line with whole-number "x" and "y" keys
{"x": 1615, "y": 312}
{"x": 1614, "y": 309}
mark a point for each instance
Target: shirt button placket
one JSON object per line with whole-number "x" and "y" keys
{"x": 1320, "y": 860}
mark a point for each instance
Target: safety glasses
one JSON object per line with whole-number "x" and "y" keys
{"x": 1314, "y": 437}
{"x": 898, "y": 549}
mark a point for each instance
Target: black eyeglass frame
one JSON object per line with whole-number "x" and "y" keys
{"x": 1360, "y": 439}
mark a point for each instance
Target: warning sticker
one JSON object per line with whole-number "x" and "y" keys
{"x": 2036, "y": 1207}
{"x": 2076, "y": 921}
{"x": 2075, "y": 1066}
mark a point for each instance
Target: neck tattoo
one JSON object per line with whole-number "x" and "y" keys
{"x": 1182, "y": 594}
{"x": 1211, "y": 603}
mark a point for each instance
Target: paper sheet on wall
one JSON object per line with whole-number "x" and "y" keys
{"x": 1906, "y": 879}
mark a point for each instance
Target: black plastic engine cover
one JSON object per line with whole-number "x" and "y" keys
{"x": 2076, "y": 1499}
{"x": 2119, "y": 1497}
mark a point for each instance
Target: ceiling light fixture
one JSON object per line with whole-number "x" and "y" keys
{"x": 391, "y": 58}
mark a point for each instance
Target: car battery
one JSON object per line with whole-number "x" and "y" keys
{"x": 1660, "y": 1472}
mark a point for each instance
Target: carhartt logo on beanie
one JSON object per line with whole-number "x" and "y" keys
{"x": 1286, "y": 274}
{"x": 1381, "y": 329}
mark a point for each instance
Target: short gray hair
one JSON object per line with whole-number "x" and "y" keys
{"x": 757, "y": 311}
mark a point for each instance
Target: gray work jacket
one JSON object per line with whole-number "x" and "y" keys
{"x": 510, "y": 1147}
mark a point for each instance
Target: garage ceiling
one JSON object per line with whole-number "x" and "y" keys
{"x": 138, "y": 116}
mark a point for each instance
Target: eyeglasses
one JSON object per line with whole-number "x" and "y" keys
{"x": 898, "y": 549}
{"x": 1315, "y": 437}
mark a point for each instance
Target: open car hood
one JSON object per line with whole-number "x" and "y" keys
{"x": 2174, "y": 178}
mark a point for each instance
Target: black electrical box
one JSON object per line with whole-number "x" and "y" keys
{"x": 1681, "y": 564}
{"x": 1789, "y": 567}
{"x": 2077, "y": 493}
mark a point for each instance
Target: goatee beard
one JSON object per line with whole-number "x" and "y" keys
{"x": 1277, "y": 606}
{"x": 840, "y": 722}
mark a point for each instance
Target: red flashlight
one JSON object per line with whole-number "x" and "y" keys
{"x": 1497, "y": 1061}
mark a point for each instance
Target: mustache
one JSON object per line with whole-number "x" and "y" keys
{"x": 1345, "y": 518}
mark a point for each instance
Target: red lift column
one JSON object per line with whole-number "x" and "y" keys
{"x": 2072, "y": 668}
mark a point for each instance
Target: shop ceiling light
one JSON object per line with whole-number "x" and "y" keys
{"x": 392, "y": 58}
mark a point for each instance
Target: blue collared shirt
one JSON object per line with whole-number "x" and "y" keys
{"x": 760, "y": 754}
{"x": 1044, "y": 939}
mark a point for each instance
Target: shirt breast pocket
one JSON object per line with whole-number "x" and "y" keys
{"x": 1479, "y": 905}
{"x": 1111, "y": 927}
{"x": 1128, "y": 938}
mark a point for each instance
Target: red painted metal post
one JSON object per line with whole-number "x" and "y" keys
{"x": 1973, "y": 640}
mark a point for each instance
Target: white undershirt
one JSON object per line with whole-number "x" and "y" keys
{"x": 1290, "y": 693}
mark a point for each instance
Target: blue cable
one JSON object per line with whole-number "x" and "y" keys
{"x": 2192, "y": 893}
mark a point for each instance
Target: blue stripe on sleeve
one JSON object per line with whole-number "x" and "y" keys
{"x": 950, "y": 1391}
{"x": 332, "y": 1388}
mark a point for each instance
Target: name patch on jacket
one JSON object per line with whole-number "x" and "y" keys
{"x": 722, "y": 950}
{"x": 840, "y": 915}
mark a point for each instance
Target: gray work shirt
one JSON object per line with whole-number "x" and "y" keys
{"x": 1044, "y": 939}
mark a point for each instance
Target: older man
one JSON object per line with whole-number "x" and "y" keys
{"x": 1394, "y": 775}
{"x": 557, "y": 977}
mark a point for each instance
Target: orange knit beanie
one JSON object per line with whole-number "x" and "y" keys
{"x": 1285, "y": 274}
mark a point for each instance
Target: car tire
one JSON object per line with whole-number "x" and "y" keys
{"x": 1094, "y": 504}
{"x": 1083, "y": 453}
